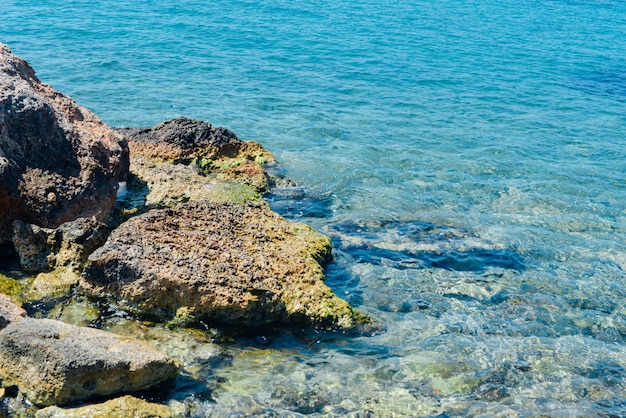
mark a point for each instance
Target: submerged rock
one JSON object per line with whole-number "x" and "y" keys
{"x": 222, "y": 262}
{"x": 58, "y": 161}
{"x": 56, "y": 363}
{"x": 122, "y": 407}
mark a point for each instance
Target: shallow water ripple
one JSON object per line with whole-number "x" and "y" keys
{"x": 468, "y": 160}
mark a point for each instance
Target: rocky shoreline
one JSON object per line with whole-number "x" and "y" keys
{"x": 189, "y": 243}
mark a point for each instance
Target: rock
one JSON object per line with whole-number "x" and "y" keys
{"x": 122, "y": 407}
{"x": 72, "y": 242}
{"x": 213, "y": 150}
{"x": 56, "y": 363}
{"x": 58, "y": 161}
{"x": 183, "y": 140}
{"x": 31, "y": 243}
{"x": 69, "y": 245}
{"x": 9, "y": 311}
{"x": 157, "y": 185}
{"x": 228, "y": 263}
{"x": 51, "y": 285}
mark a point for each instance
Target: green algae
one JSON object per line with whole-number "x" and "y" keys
{"x": 237, "y": 193}
{"x": 10, "y": 286}
{"x": 56, "y": 284}
{"x": 76, "y": 311}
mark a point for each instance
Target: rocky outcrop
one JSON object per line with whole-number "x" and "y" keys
{"x": 58, "y": 161}
{"x": 223, "y": 262}
{"x": 212, "y": 151}
{"x": 9, "y": 311}
{"x": 69, "y": 245}
{"x": 183, "y": 140}
{"x": 122, "y": 407}
{"x": 56, "y": 363}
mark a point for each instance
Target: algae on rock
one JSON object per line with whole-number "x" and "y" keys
{"x": 228, "y": 263}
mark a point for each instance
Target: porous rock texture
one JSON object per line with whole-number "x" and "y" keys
{"x": 52, "y": 362}
{"x": 215, "y": 151}
{"x": 183, "y": 139}
{"x": 222, "y": 262}
{"x": 58, "y": 161}
{"x": 42, "y": 249}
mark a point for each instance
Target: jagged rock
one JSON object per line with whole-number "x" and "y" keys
{"x": 69, "y": 245}
{"x": 58, "y": 161}
{"x": 56, "y": 363}
{"x": 229, "y": 263}
{"x": 215, "y": 151}
{"x": 122, "y": 407}
{"x": 183, "y": 139}
{"x": 9, "y": 311}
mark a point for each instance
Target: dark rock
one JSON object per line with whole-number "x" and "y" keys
{"x": 211, "y": 150}
{"x": 69, "y": 245}
{"x": 56, "y": 363}
{"x": 58, "y": 161}
{"x": 222, "y": 262}
{"x": 184, "y": 139}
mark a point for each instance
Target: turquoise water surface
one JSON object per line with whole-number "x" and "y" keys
{"x": 468, "y": 158}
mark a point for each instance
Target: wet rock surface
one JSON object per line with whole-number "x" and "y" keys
{"x": 224, "y": 262}
{"x": 58, "y": 161}
{"x": 56, "y": 363}
{"x": 421, "y": 245}
{"x": 194, "y": 243}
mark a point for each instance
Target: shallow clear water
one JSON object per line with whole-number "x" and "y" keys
{"x": 467, "y": 158}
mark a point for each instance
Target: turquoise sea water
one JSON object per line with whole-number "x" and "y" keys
{"x": 467, "y": 158}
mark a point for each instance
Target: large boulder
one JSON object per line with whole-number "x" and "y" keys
{"x": 52, "y": 362}
{"x": 221, "y": 262}
{"x": 58, "y": 161}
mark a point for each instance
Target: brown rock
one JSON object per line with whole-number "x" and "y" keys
{"x": 9, "y": 311}
{"x": 122, "y": 407}
{"x": 56, "y": 363}
{"x": 155, "y": 184}
{"x": 223, "y": 262}
{"x": 58, "y": 161}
